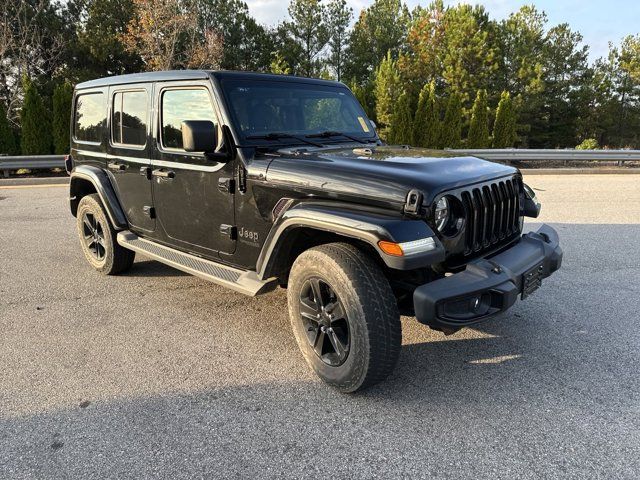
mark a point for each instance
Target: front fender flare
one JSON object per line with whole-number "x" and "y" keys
{"x": 102, "y": 185}
{"x": 365, "y": 226}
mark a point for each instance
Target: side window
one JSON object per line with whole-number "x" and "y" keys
{"x": 129, "y": 118}
{"x": 180, "y": 105}
{"x": 90, "y": 117}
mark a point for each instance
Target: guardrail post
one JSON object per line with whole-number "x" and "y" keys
{"x": 6, "y": 173}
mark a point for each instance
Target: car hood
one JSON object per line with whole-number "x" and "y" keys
{"x": 385, "y": 174}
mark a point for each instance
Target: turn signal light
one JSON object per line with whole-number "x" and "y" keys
{"x": 407, "y": 248}
{"x": 391, "y": 248}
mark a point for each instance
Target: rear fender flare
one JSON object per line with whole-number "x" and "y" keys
{"x": 364, "y": 226}
{"x": 102, "y": 185}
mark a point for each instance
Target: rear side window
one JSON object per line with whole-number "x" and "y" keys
{"x": 90, "y": 117}
{"x": 129, "y": 118}
{"x": 181, "y": 105}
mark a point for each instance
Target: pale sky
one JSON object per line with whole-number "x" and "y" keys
{"x": 599, "y": 21}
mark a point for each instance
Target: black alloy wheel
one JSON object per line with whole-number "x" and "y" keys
{"x": 93, "y": 235}
{"x": 325, "y": 321}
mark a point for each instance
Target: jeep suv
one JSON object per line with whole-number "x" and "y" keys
{"x": 256, "y": 181}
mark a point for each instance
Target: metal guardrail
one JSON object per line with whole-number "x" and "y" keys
{"x": 516, "y": 154}
{"x": 34, "y": 162}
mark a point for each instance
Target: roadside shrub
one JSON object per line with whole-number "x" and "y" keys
{"x": 588, "y": 144}
{"x": 8, "y": 145}
{"x": 62, "y": 97}
{"x": 36, "y": 125}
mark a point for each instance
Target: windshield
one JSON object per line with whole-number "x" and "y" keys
{"x": 263, "y": 107}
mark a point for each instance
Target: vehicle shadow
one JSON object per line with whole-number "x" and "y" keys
{"x": 152, "y": 268}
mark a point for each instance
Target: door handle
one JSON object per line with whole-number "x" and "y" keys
{"x": 164, "y": 173}
{"x": 116, "y": 166}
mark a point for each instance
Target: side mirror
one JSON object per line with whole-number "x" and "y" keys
{"x": 199, "y": 136}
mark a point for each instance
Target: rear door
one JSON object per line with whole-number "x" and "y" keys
{"x": 191, "y": 194}
{"x": 128, "y": 159}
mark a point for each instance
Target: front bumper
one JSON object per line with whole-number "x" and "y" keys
{"x": 489, "y": 286}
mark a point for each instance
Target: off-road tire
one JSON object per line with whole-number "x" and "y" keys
{"x": 115, "y": 259}
{"x": 371, "y": 310}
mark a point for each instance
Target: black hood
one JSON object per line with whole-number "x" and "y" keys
{"x": 386, "y": 175}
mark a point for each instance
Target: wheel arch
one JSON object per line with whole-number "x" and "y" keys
{"x": 86, "y": 180}
{"x": 308, "y": 225}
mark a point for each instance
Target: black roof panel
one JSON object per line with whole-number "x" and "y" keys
{"x": 173, "y": 75}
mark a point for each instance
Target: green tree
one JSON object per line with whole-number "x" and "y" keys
{"x": 247, "y": 44}
{"x": 338, "y": 17}
{"x": 504, "y": 127}
{"x": 401, "y": 129}
{"x": 386, "y": 92}
{"x": 279, "y": 65}
{"x": 100, "y": 39}
{"x": 308, "y": 29}
{"x": 366, "y": 96}
{"x": 451, "y": 131}
{"x": 380, "y": 28}
{"x": 479, "y": 127}
{"x": 62, "y": 97}
{"x": 426, "y": 126}
{"x": 7, "y": 138}
{"x": 35, "y": 121}
{"x": 469, "y": 52}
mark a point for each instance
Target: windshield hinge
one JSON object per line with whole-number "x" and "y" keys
{"x": 413, "y": 202}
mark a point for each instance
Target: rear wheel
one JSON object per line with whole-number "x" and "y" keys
{"x": 344, "y": 316}
{"x": 98, "y": 238}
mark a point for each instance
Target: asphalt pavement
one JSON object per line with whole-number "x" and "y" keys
{"x": 158, "y": 374}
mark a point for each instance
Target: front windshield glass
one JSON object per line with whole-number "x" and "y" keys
{"x": 262, "y": 107}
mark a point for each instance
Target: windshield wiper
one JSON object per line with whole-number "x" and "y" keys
{"x": 281, "y": 135}
{"x": 330, "y": 133}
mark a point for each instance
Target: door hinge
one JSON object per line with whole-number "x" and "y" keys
{"x": 229, "y": 231}
{"x": 242, "y": 179}
{"x": 149, "y": 211}
{"x": 227, "y": 185}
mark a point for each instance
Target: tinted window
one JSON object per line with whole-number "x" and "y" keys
{"x": 260, "y": 107}
{"x": 129, "y": 122}
{"x": 90, "y": 117}
{"x": 181, "y": 105}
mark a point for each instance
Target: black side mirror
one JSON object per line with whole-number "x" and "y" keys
{"x": 199, "y": 136}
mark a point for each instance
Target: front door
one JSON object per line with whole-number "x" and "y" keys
{"x": 194, "y": 208}
{"x": 128, "y": 153}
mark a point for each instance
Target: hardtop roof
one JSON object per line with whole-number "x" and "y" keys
{"x": 175, "y": 75}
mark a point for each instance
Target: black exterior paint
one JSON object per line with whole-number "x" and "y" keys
{"x": 190, "y": 207}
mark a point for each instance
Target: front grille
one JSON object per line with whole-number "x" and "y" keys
{"x": 492, "y": 213}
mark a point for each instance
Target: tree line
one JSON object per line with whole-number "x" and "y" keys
{"x": 435, "y": 76}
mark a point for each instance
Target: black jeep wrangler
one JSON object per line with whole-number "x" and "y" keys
{"x": 253, "y": 181}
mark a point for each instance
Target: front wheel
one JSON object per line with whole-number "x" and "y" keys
{"x": 344, "y": 316}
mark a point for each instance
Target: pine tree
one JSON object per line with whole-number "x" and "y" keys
{"x": 451, "y": 132}
{"x": 479, "y": 127}
{"x": 36, "y": 125}
{"x": 426, "y": 126}
{"x": 504, "y": 128}
{"x": 386, "y": 93}
{"x": 7, "y": 139}
{"x": 402, "y": 121}
{"x": 62, "y": 96}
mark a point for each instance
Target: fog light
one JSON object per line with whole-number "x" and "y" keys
{"x": 467, "y": 308}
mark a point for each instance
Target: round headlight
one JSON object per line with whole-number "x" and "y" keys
{"x": 442, "y": 214}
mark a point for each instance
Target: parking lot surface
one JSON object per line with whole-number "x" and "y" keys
{"x": 158, "y": 374}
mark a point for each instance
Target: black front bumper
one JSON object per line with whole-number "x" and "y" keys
{"x": 489, "y": 286}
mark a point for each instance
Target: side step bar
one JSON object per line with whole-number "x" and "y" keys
{"x": 239, "y": 280}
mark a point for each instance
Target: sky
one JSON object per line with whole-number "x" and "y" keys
{"x": 600, "y": 22}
